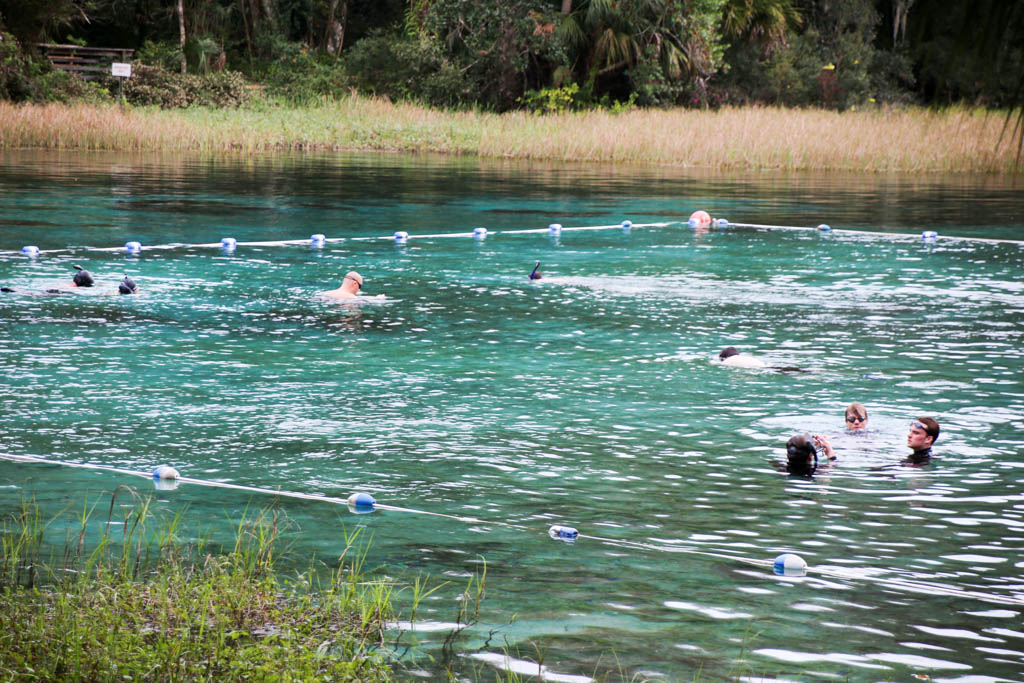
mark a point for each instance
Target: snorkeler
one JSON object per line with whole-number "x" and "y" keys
{"x": 856, "y": 417}
{"x": 535, "y": 274}
{"x": 802, "y": 453}
{"x": 83, "y": 278}
{"x": 733, "y": 358}
{"x": 351, "y": 286}
{"x": 923, "y": 433}
{"x": 127, "y": 286}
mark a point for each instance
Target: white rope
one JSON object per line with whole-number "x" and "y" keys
{"x": 926, "y": 587}
{"x": 874, "y": 233}
{"x": 286, "y": 243}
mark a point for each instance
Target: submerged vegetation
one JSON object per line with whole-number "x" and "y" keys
{"x": 912, "y": 140}
{"x": 141, "y": 605}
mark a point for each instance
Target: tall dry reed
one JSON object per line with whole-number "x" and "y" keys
{"x": 914, "y": 140}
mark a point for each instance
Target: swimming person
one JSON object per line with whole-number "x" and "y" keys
{"x": 733, "y": 358}
{"x": 802, "y": 453}
{"x": 351, "y": 285}
{"x": 535, "y": 274}
{"x": 856, "y": 417}
{"x": 83, "y": 278}
{"x": 127, "y": 286}
{"x": 923, "y": 433}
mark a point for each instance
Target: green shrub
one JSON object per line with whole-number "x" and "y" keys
{"x": 165, "y": 55}
{"x": 551, "y": 100}
{"x": 407, "y": 68}
{"x": 27, "y": 78}
{"x": 151, "y": 85}
{"x": 301, "y": 75}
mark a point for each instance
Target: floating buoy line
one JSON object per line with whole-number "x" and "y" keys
{"x": 698, "y": 219}
{"x": 167, "y": 478}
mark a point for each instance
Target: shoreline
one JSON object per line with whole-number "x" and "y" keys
{"x": 730, "y": 139}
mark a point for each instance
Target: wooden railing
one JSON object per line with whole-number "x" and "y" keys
{"x": 87, "y": 62}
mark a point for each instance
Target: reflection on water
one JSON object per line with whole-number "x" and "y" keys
{"x": 591, "y": 398}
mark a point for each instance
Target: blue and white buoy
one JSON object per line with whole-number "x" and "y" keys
{"x": 563, "y": 533}
{"x": 479, "y": 234}
{"x": 929, "y": 235}
{"x": 626, "y": 226}
{"x": 30, "y": 250}
{"x": 317, "y": 241}
{"x": 720, "y": 223}
{"x": 825, "y": 227}
{"x": 401, "y": 237}
{"x": 555, "y": 229}
{"x": 228, "y": 244}
{"x": 165, "y": 472}
{"x": 132, "y": 247}
{"x": 789, "y": 564}
{"x": 361, "y": 503}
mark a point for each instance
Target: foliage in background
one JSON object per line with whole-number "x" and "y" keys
{"x": 153, "y": 85}
{"x": 27, "y": 78}
{"x": 500, "y": 49}
{"x": 505, "y": 54}
{"x": 410, "y": 68}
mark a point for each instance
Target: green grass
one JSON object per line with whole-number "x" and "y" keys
{"x": 762, "y": 138}
{"x": 138, "y": 605}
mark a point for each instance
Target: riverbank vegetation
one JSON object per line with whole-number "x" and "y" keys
{"x": 910, "y": 140}
{"x": 133, "y": 604}
{"x": 713, "y": 83}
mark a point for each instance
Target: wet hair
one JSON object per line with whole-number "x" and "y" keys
{"x": 801, "y": 456}
{"x": 728, "y": 352}
{"x": 127, "y": 286}
{"x": 535, "y": 274}
{"x": 931, "y": 426}
{"x": 83, "y": 278}
{"x": 857, "y": 409}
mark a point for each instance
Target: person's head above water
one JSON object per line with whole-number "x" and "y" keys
{"x": 728, "y": 352}
{"x": 856, "y": 417}
{"x": 353, "y": 280}
{"x": 83, "y": 278}
{"x": 351, "y": 284}
{"x": 535, "y": 274}
{"x": 128, "y": 286}
{"x": 801, "y": 456}
{"x": 923, "y": 433}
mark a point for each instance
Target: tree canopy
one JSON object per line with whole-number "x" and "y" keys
{"x": 561, "y": 54}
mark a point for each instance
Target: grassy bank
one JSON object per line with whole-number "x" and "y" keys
{"x": 914, "y": 140}
{"x": 141, "y": 606}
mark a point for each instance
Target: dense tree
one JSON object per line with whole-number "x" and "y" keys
{"x": 34, "y": 21}
{"x": 662, "y": 50}
{"x": 834, "y": 53}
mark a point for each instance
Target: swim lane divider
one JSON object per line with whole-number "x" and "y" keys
{"x": 786, "y": 564}
{"x": 699, "y": 219}
{"x": 318, "y": 241}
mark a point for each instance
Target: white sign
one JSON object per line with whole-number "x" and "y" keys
{"x": 120, "y": 69}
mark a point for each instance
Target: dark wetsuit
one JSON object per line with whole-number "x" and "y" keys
{"x": 922, "y": 457}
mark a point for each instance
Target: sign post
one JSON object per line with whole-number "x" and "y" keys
{"x": 122, "y": 71}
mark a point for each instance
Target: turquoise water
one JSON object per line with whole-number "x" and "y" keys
{"x": 590, "y": 398}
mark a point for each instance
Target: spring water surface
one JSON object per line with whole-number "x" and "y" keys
{"x": 591, "y": 398}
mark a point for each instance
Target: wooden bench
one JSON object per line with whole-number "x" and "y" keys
{"x": 88, "y": 63}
